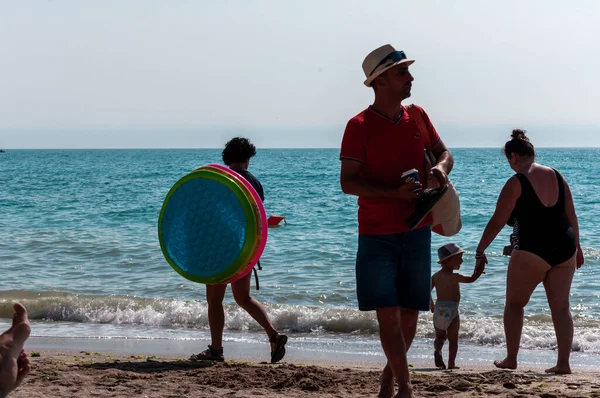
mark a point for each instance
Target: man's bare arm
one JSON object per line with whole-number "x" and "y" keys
{"x": 353, "y": 184}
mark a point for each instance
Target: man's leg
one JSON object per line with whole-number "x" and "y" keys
{"x": 408, "y": 321}
{"x": 414, "y": 278}
{"x": 410, "y": 318}
{"x": 394, "y": 347}
{"x": 377, "y": 288}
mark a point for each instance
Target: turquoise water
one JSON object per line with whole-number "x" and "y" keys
{"x": 79, "y": 246}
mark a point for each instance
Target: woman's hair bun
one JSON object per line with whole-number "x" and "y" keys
{"x": 519, "y": 144}
{"x": 518, "y": 134}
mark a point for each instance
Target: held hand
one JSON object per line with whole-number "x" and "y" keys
{"x": 407, "y": 191}
{"x": 580, "y": 258}
{"x": 432, "y": 307}
{"x": 440, "y": 175}
{"x": 480, "y": 262}
{"x": 479, "y": 270}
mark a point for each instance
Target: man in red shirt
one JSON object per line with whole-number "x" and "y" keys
{"x": 393, "y": 264}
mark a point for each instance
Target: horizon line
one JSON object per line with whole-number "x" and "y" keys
{"x": 261, "y": 148}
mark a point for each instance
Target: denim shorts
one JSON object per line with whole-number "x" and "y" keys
{"x": 394, "y": 270}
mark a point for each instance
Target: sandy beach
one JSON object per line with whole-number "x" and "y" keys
{"x": 95, "y": 374}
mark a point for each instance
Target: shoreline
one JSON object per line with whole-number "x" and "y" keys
{"x": 303, "y": 349}
{"x": 71, "y": 373}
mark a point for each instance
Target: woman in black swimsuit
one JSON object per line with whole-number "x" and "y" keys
{"x": 545, "y": 246}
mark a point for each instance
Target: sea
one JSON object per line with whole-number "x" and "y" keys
{"x": 79, "y": 248}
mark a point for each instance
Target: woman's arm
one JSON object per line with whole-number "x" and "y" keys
{"x": 504, "y": 207}
{"x": 572, "y": 217}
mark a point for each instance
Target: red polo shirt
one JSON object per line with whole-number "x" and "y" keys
{"x": 386, "y": 149}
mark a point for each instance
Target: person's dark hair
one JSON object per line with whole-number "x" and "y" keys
{"x": 519, "y": 144}
{"x": 238, "y": 150}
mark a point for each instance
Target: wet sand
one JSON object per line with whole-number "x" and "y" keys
{"x": 94, "y": 374}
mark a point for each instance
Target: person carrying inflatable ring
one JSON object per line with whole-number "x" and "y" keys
{"x": 236, "y": 155}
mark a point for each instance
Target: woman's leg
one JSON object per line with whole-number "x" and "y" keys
{"x": 558, "y": 286}
{"x": 525, "y": 272}
{"x": 216, "y": 315}
{"x": 241, "y": 294}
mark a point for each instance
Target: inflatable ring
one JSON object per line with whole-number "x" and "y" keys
{"x": 207, "y": 227}
{"x": 259, "y": 212}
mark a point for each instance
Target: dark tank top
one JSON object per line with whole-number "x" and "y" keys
{"x": 542, "y": 230}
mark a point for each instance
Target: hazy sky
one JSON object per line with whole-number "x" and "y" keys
{"x": 125, "y": 73}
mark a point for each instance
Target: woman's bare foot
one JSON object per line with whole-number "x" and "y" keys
{"x": 452, "y": 366}
{"x": 14, "y": 364}
{"x": 386, "y": 385}
{"x": 506, "y": 364}
{"x": 560, "y": 370}
{"x": 439, "y": 360}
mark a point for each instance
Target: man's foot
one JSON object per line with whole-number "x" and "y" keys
{"x": 406, "y": 393}
{"x": 386, "y": 385}
{"x": 560, "y": 370}
{"x": 14, "y": 364}
{"x": 439, "y": 361}
{"x": 506, "y": 364}
{"x": 452, "y": 366}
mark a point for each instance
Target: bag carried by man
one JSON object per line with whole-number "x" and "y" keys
{"x": 446, "y": 212}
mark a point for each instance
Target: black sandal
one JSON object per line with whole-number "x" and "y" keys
{"x": 209, "y": 355}
{"x": 279, "y": 352}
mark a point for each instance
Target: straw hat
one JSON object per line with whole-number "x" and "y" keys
{"x": 382, "y": 59}
{"x": 448, "y": 250}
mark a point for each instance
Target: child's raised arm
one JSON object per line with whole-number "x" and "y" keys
{"x": 469, "y": 279}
